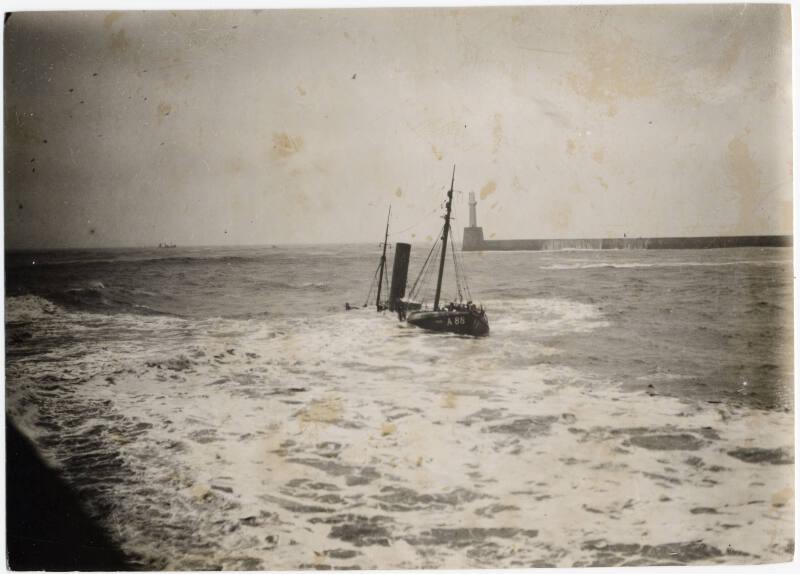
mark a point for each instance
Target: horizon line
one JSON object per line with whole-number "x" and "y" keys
{"x": 301, "y": 243}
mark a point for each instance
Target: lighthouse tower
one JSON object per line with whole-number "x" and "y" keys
{"x": 473, "y": 218}
{"x": 473, "y": 235}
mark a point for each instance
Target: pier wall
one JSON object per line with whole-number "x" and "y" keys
{"x": 474, "y": 241}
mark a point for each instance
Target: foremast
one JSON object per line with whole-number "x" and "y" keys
{"x": 383, "y": 260}
{"x": 445, "y": 233}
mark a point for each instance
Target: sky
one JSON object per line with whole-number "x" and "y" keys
{"x": 303, "y": 126}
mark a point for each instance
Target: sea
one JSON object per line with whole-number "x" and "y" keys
{"x": 218, "y": 408}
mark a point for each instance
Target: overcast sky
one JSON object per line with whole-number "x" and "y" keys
{"x": 260, "y": 127}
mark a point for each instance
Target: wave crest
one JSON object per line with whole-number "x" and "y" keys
{"x": 28, "y": 307}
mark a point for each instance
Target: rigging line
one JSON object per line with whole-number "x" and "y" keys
{"x": 458, "y": 264}
{"x": 424, "y": 266}
{"x": 467, "y": 290}
{"x": 455, "y": 267}
{"x": 464, "y": 275}
{"x": 386, "y": 281}
{"x": 431, "y": 267}
{"x": 429, "y": 279}
{"x": 464, "y": 283}
{"x": 458, "y": 267}
{"x": 455, "y": 261}
{"x": 424, "y": 281}
{"x": 458, "y": 259}
{"x": 372, "y": 285}
{"x": 427, "y": 282}
{"x": 369, "y": 293}
{"x": 424, "y": 219}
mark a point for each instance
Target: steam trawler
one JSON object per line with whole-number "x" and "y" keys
{"x": 457, "y": 316}
{"x": 380, "y": 281}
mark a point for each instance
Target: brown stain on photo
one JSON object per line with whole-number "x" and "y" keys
{"x": 614, "y": 70}
{"x": 398, "y": 192}
{"x": 436, "y": 153}
{"x": 488, "y": 189}
{"x": 517, "y": 185}
{"x": 301, "y": 90}
{"x": 119, "y": 41}
{"x": 200, "y": 491}
{"x": 234, "y": 165}
{"x": 786, "y": 216}
{"x": 729, "y": 57}
{"x": 285, "y": 146}
{"x": 23, "y": 128}
{"x": 162, "y": 111}
{"x": 301, "y": 201}
{"x": 781, "y": 497}
{"x": 599, "y": 155}
{"x": 450, "y": 400}
{"x": 745, "y": 179}
{"x": 575, "y": 188}
{"x": 328, "y": 410}
{"x": 110, "y": 18}
{"x": 561, "y": 215}
{"x": 570, "y": 147}
{"x": 497, "y": 133}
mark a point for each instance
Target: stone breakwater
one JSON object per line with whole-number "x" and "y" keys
{"x": 474, "y": 241}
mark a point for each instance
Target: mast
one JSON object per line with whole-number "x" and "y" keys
{"x": 445, "y": 232}
{"x": 383, "y": 261}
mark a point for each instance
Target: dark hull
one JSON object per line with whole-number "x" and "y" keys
{"x": 458, "y": 322}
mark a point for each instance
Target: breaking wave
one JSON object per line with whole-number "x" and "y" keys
{"x": 610, "y": 265}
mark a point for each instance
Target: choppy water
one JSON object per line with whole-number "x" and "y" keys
{"x": 217, "y": 408}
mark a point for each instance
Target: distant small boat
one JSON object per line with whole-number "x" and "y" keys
{"x": 462, "y": 318}
{"x": 166, "y": 246}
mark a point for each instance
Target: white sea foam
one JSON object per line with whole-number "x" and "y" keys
{"x": 544, "y": 315}
{"x": 29, "y": 307}
{"x": 619, "y": 265}
{"x": 265, "y": 444}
